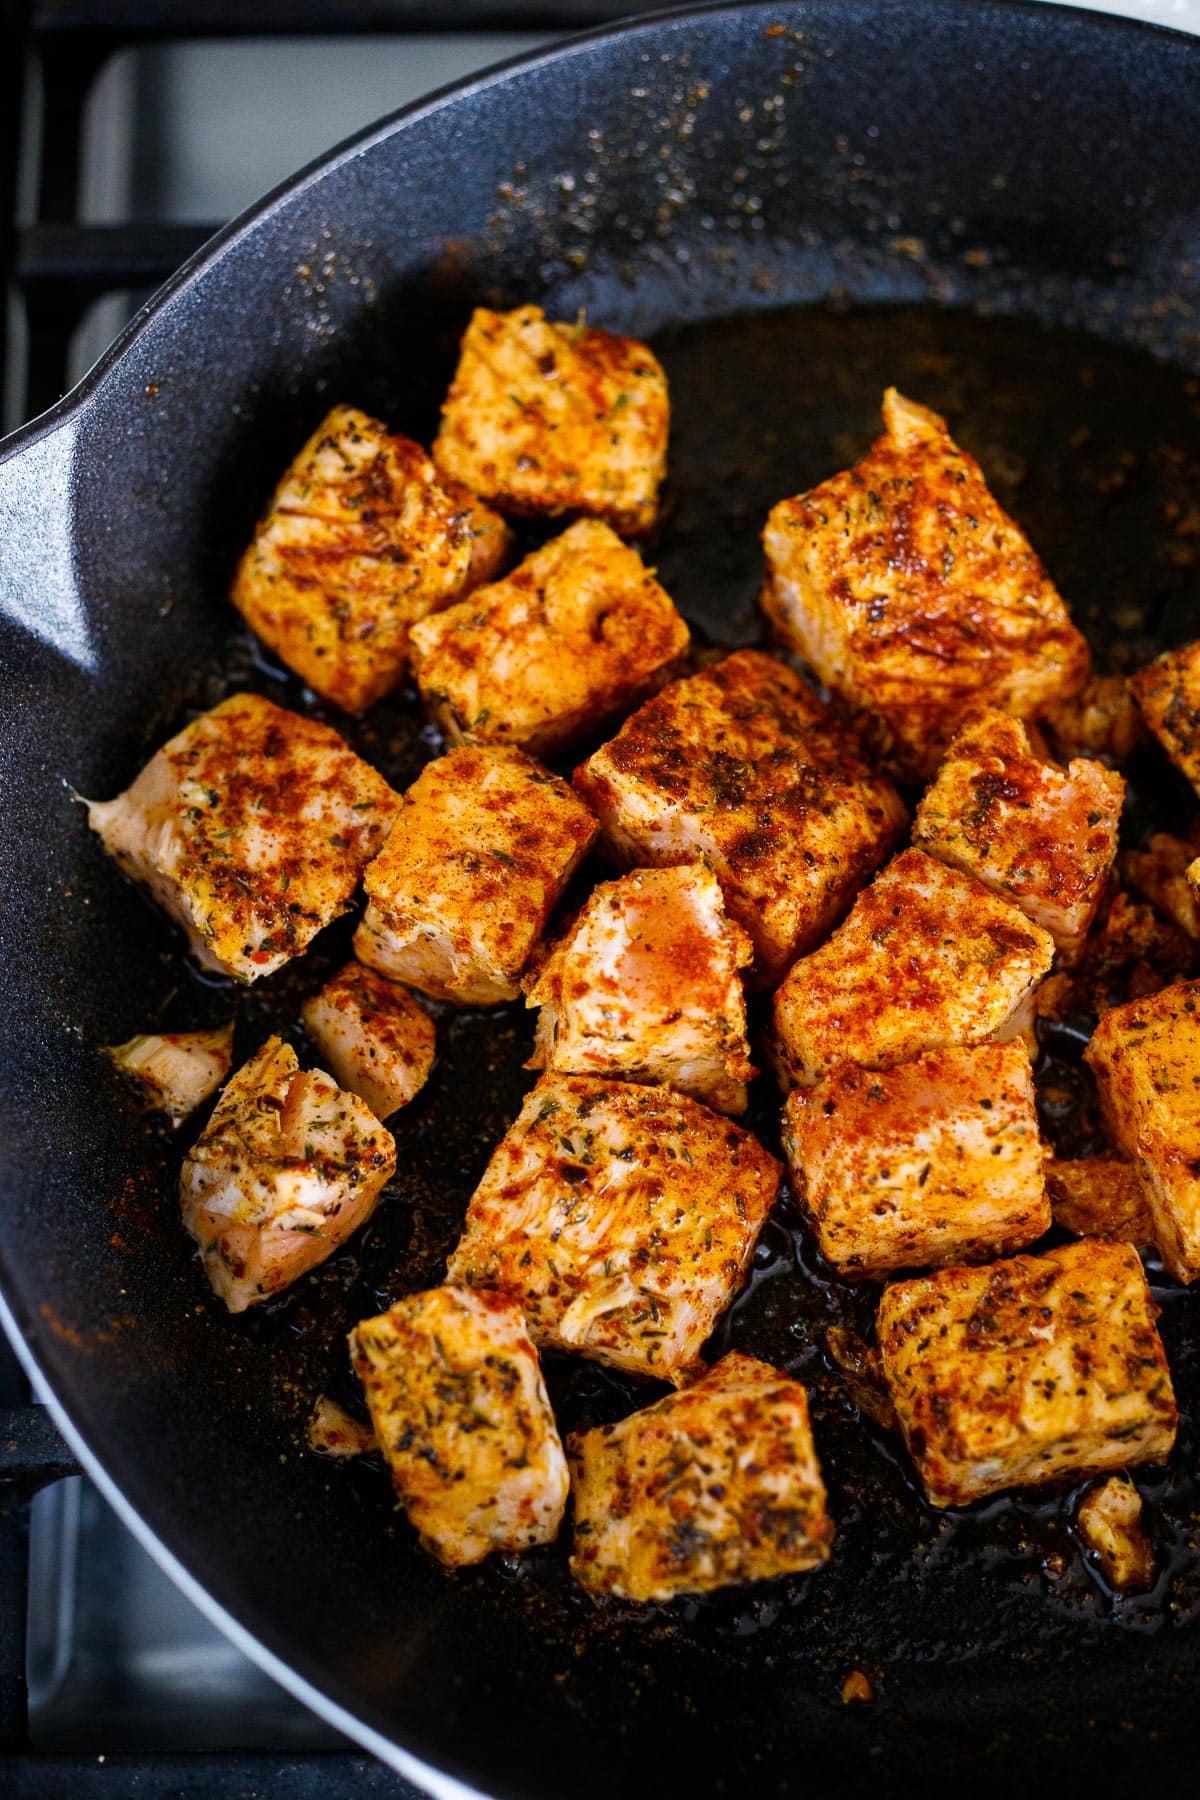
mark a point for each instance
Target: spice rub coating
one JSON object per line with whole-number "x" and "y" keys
{"x": 1041, "y": 836}
{"x": 937, "y": 1161}
{"x": 928, "y": 957}
{"x": 1168, "y": 692}
{"x": 287, "y": 1167}
{"x": 714, "y": 1485}
{"x": 363, "y": 537}
{"x": 1145, "y": 1056}
{"x": 576, "y": 635}
{"x": 551, "y": 418}
{"x": 251, "y": 828}
{"x": 1027, "y": 1370}
{"x": 742, "y": 764}
{"x": 914, "y": 595}
{"x": 373, "y": 1035}
{"x": 623, "y": 1219}
{"x": 644, "y": 986}
{"x": 484, "y": 844}
{"x": 460, "y": 1411}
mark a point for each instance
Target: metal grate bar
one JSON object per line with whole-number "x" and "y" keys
{"x": 90, "y": 260}
{"x": 146, "y": 19}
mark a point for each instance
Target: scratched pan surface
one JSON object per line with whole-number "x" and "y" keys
{"x": 996, "y": 207}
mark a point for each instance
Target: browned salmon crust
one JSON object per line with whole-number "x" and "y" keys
{"x": 744, "y": 765}
{"x": 461, "y": 1413}
{"x": 373, "y": 1035}
{"x": 622, "y": 1218}
{"x": 717, "y": 1484}
{"x": 251, "y": 828}
{"x": 644, "y": 986}
{"x": 485, "y": 842}
{"x": 914, "y": 595}
{"x": 1145, "y": 1056}
{"x": 937, "y": 1161}
{"x": 287, "y": 1167}
{"x": 575, "y": 636}
{"x": 1041, "y": 836}
{"x": 927, "y": 957}
{"x": 1027, "y": 1370}
{"x": 551, "y": 418}
{"x": 362, "y": 538}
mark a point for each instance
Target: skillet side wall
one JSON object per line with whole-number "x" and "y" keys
{"x": 1035, "y": 163}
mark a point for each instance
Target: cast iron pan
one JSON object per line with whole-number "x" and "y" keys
{"x": 995, "y": 206}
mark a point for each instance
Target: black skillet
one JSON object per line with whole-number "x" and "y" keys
{"x": 997, "y": 207}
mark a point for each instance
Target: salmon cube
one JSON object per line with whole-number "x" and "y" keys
{"x": 711, "y": 1486}
{"x": 460, "y": 1411}
{"x": 623, "y": 1219}
{"x": 332, "y": 1431}
{"x": 370, "y": 1031}
{"x": 287, "y": 1167}
{"x": 362, "y": 538}
{"x": 251, "y": 828}
{"x": 551, "y": 418}
{"x": 1099, "y": 1197}
{"x": 1111, "y": 1523}
{"x": 576, "y": 635}
{"x": 484, "y": 845}
{"x": 1168, "y": 692}
{"x": 175, "y": 1071}
{"x": 743, "y": 765}
{"x": 1029, "y": 1370}
{"x": 1166, "y": 871}
{"x": 1101, "y": 720}
{"x": 928, "y": 957}
{"x": 644, "y": 986}
{"x": 913, "y": 595}
{"x": 937, "y": 1161}
{"x": 1145, "y": 1056}
{"x": 1040, "y": 836}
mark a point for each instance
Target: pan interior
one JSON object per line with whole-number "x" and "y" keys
{"x": 978, "y": 167}
{"x": 1096, "y": 450}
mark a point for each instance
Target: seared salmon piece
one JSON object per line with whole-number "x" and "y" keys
{"x": 715, "y": 1485}
{"x": 1029, "y": 1370}
{"x": 914, "y": 596}
{"x": 744, "y": 766}
{"x": 1101, "y": 720}
{"x": 332, "y": 1431}
{"x": 936, "y": 1161}
{"x": 1099, "y": 1197}
{"x": 1038, "y": 835}
{"x": 1168, "y": 693}
{"x": 1145, "y": 1056}
{"x": 287, "y": 1167}
{"x": 550, "y": 418}
{"x": 1111, "y": 1523}
{"x": 623, "y": 1219}
{"x": 644, "y": 985}
{"x": 1163, "y": 873}
{"x": 373, "y": 1035}
{"x": 251, "y": 828}
{"x": 928, "y": 957}
{"x": 460, "y": 1412}
{"x": 457, "y": 900}
{"x": 575, "y": 636}
{"x": 363, "y": 537}
{"x": 175, "y": 1071}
